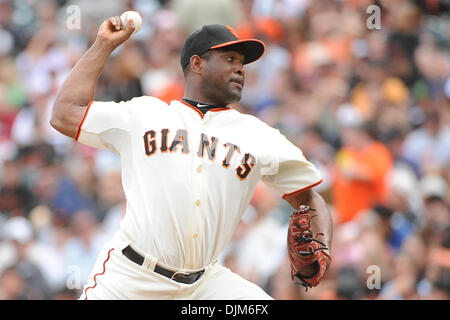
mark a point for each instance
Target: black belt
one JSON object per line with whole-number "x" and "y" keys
{"x": 187, "y": 278}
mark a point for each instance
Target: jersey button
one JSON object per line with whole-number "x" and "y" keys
{"x": 197, "y": 203}
{"x": 195, "y": 235}
{"x": 199, "y": 169}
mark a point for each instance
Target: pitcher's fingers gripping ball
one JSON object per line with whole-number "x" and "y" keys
{"x": 306, "y": 253}
{"x": 131, "y": 15}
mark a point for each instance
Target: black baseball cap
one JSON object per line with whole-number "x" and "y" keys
{"x": 215, "y": 36}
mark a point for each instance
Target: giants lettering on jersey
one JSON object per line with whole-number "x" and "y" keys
{"x": 207, "y": 146}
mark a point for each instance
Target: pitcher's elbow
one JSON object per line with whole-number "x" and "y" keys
{"x": 54, "y": 121}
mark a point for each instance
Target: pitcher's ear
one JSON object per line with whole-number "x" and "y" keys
{"x": 196, "y": 64}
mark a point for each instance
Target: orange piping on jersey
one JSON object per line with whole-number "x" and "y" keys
{"x": 193, "y": 108}
{"x": 220, "y": 109}
{"x": 98, "y": 274}
{"x": 211, "y": 110}
{"x": 82, "y": 120}
{"x": 301, "y": 190}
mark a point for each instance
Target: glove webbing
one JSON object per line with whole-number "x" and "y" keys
{"x": 307, "y": 236}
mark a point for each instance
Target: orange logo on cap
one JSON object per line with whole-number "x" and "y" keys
{"x": 232, "y": 31}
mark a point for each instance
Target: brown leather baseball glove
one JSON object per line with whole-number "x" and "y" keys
{"x": 305, "y": 250}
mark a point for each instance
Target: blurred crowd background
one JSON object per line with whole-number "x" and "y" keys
{"x": 369, "y": 107}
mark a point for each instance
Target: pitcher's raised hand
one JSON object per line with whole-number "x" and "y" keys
{"x": 110, "y": 31}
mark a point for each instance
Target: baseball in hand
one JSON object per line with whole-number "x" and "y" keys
{"x": 135, "y": 16}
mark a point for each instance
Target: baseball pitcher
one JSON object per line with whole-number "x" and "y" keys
{"x": 189, "y": 170}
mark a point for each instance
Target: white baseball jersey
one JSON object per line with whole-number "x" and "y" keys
{"x": 189, "y": 177}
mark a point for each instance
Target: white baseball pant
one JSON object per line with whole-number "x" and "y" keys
{"x": 115, "y": 277}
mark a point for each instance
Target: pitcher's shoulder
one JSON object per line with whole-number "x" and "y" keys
{"x": 146, "y": 104}
{"x": 254, "y": 121}
{"x": 148, "y": 101}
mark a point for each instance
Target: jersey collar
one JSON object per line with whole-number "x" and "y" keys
{"x": 209, "y": 108}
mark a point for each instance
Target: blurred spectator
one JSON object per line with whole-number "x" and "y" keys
{"x": 262, "y": 239}
{"x": 25, "y": 259}
{"x": 394, "y": 139}
{"x": 439, "y": 270}
{"x": 403, "y": 286}
{"x": 361, "y": 168}
{"x": 195, "y": 13}
{"x": 163, "y": 77}
{"x": 82, "y": 248}
{"x": 281, "y": 286}
{"x": 350, "y": 286}
{"x": 404, "y": 39}
{"x": 111, "y": 192}
{"x": 13, "y": 285}
{"x": 123, "y": 81}
{"x": 15, "y": 196}
{"x": 404, "y": 197}
{"x": 112, "y": 199}
{"x": 429, "y": 147}
{"x": 435, "y": 194}
{"x": 13, "y": 95}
